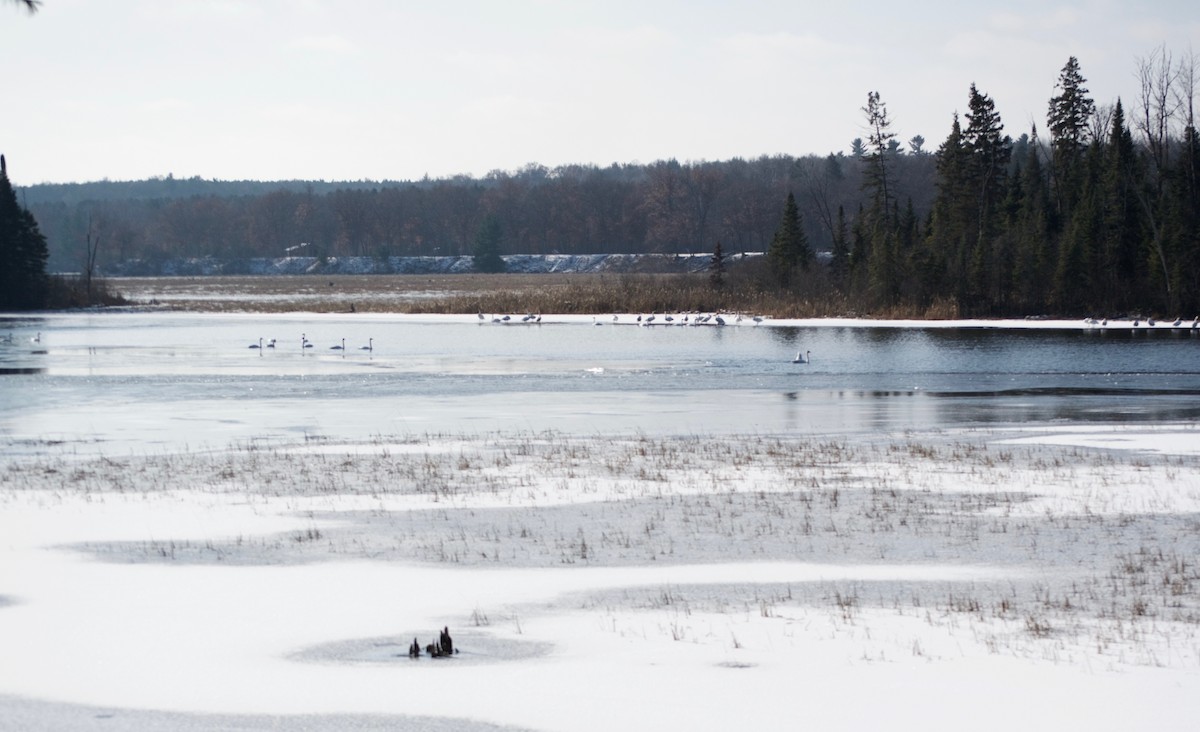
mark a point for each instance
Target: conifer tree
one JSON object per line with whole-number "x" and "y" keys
{"x": 23, "y": 252}
{"x": 789, "y": 249}
{"x": 716, "y": 268}
{"x": 1069, "y": 121}
{"x": 487, "y": 246}
{"x": 1030, "y": 227}
{"x": 1120, "y": 268}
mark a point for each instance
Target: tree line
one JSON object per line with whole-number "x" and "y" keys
{"x": 1095, "y": 212}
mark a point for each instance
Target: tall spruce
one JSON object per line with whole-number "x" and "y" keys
{"x": 1069, "y": 120}
{"x": 881, "y": 235}
{"x": 1030, "y": 224}
{"x": 1120, "y": 267}
{"x": 988, "y": 152}
{"x": 23, "y": 253}
{"x": 789, "y": 249}
{"x": 486, "y": 249}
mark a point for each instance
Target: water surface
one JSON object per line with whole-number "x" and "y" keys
{"x": 137, "y": 381}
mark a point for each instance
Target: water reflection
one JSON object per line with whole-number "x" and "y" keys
{"x": 151, "y": 378}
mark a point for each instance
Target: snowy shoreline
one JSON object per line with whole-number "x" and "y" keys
{"x": 673, "y": 574}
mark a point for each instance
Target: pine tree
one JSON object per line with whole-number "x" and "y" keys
{"x": 950, "y": 228}
{"x": 1069, "y": 119}
{"x": 1120, "y": 270}
{"x": 716, "y": 268}
{"x": 23, "y": 252}
{"x": 789, "y": 249}
{"x": 487, "y": 246}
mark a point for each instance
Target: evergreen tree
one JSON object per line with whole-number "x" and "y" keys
{"x": 882, "y": 279}
{"x": 1120, "y": 268}
{"x": 988, "y": 151}
{"x": 716, "y": 268}
{"x": 950, "y": 228}
{"x": 789, "y": 249}
{"x": 1031, "y": 226}
{"x": 1069, "y": 121}
{"x": 23, "y": 253}
{"x": 487, "y": 246}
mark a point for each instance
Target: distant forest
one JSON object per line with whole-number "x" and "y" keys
{"x": 1097, "y": 212}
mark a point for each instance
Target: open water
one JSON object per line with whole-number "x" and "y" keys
{"x": 151, "y": 381}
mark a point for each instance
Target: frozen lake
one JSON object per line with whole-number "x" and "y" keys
{"x": 134, "y": 380}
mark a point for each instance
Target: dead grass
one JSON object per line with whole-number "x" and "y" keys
{"x": 577, "y": 293}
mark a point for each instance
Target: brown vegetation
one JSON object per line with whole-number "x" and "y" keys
{"x": 745, "y": 292}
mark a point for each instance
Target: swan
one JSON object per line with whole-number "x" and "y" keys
{"x": 370, "y": 345}
{"x": 340, "y": 347}
{"x": 257, "y": 345}
{"x": 271, "y": 343}
{"x": 757, "y": 319}
{"x": 720, "y": 320}
{"x": 805, "y": 357}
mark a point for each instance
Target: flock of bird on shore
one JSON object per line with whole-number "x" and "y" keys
{"x": 1136, "y": 323}
{"x": 652, "y": 319}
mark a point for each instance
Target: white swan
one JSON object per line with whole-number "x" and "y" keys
{"x": 805, "y": 357}
{"x": 341, "y": 347}
{"x": 257, "y": 345}
{"x": 369, "y": 347}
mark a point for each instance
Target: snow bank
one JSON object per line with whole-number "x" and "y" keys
{"x": 519, "y": 263}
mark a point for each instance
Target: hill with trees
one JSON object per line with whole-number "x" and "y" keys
{"x": 1099, "y": 212}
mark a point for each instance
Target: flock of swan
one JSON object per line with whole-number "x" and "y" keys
{"x": 305, "y": 343}
{"x": 802, "y": 357}
{"x": 642, "y": 319}
{"x": 1137, "y": 322}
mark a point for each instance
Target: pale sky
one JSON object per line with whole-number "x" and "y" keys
{"x": 372, "y": 89}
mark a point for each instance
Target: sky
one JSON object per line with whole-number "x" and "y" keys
{"x": 400, "y": 90}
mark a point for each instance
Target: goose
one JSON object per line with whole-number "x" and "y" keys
{"x": 271, "y": 343}
{"x": 304, "y": 342}
{"x": 805, "y": 357}
{"x": 370, "y": 345}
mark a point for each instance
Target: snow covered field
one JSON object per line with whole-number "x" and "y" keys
{"x": 998, "y": 579}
